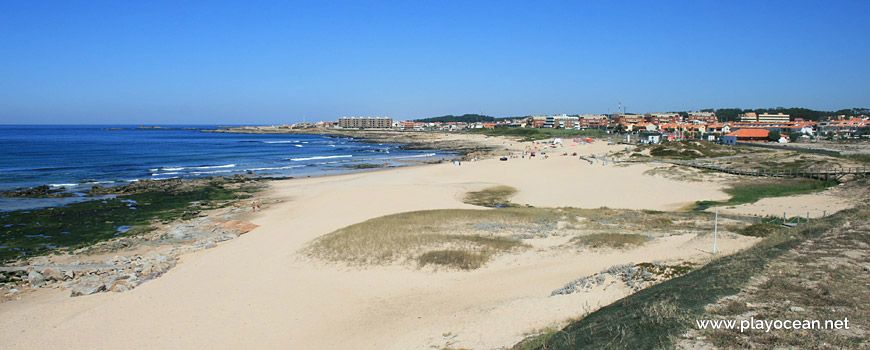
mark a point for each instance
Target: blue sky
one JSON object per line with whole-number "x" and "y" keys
{"x": 212, "y": 62}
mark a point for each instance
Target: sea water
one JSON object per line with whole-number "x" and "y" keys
{"x": 79, "y": 157}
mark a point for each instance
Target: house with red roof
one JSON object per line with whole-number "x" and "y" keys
{"x": 746, "y": 135}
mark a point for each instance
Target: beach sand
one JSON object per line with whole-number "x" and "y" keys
{"x": 814, "y": 205}
{"x": 256, "y": 291}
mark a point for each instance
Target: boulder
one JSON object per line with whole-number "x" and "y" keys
{"x": 87, "y": 286}
{"x": 121, "y": 286}
{"x": 238, "y": 227}
{"x": 54, "y": 274}
{"x": 36, "y": 279}
{"x": 156, "y": 257}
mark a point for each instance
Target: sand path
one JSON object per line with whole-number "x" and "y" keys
{"x": 256, "y": 292}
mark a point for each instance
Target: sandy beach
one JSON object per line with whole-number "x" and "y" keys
{"x": 257, "y": 291}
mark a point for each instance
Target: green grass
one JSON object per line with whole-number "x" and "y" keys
{"x": 750, "y": 192}
{"x": 33, "y": 232}
{"x": 654, "y": 317}
{"x": 612, "y": 240}
{"x": 492, "y": 197}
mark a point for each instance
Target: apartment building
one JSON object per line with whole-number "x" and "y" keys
{"x": 701, "y": 118}
{"x": 365, "y": 122}
{"x": 752, "y": 117}
{"x": 662, "y": 118}
{"x": 593, "y": 121}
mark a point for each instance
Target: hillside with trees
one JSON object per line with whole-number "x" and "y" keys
{"x": 732, "y": 114}
{"x": 467, "y": 118}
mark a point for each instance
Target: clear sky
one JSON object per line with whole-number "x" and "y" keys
{"x": 265, "y": 62}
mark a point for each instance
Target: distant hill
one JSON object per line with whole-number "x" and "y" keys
{"x": 731, "y": 114}
{"x": 467, "y": 118}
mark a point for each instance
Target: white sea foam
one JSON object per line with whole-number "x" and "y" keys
{"x": 63, "y": 185}
{"x": 214, "y": 172}
{"x": 213, "y": 166}
{"x": 169, "y": 173}
{"x": 321, "y": 157}
{"x": 276, "y": 168}
{"x": 417, "y": 156}
{"x": 170, "y": 169}
{"x": 298, "y": 145}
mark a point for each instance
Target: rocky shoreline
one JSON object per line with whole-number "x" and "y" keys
{"x": 122, "y": 264}
{"x": 44, "y": 191}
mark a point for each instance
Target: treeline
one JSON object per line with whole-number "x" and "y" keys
{"x": 732, "y": 114}
{"x": 466, "y": 118}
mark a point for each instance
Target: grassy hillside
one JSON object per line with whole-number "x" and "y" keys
{"x": 656, "y": 317}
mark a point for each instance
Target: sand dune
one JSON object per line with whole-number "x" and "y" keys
{"x": 257, "y": 292}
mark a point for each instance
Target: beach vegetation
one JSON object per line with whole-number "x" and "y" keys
{"x": 612, "y": 240}
{"x": 761, "y": 229}
{"x": 469, "y": 238}
{"x": 460, "y": 259}
{"x": 753, "y": 190}
{"x": 690, "y": 149}
{"x": 857, "y": 157}
{"x": 491, "y": 197}
{"x": 537, "y": 339}
{"x": 460, "y": 238}
{"x": 656, "y": 317}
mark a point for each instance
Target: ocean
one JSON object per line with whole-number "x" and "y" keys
{"x": 77, "y": 157}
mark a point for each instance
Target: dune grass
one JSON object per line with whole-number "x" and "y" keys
{"x": 760, "y": 229}
{"x": 690, "y": 149}
{"x": 468, "y": 239}
{"x": 454, "y": 258}
{"x": 656, "y": 316}
{"x": 612, "y": 240}
{"x": 414, "y": 236}
{"x": 492, "y": 197}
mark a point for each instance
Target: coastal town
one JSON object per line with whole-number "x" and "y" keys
{"x": 421, "y": 175}
{"x": 641, "y": 128}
